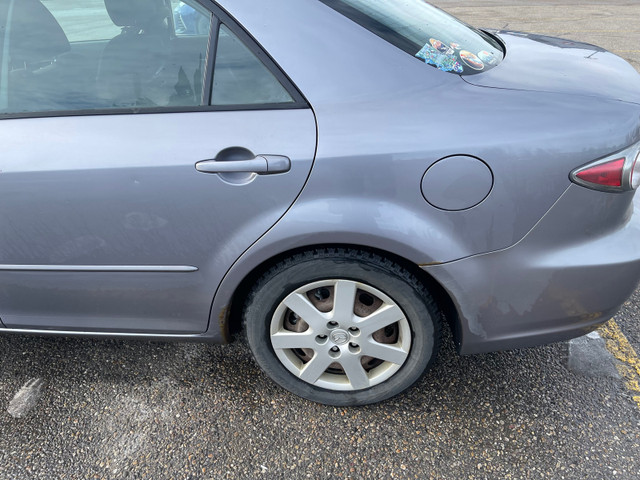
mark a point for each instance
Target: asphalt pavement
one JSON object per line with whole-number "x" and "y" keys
{"x": 81, "y": 408}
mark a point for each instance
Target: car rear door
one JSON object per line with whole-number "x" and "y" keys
{"x": 129, "y": 186}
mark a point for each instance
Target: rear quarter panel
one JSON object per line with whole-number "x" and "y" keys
{"x": 384, "y": 118}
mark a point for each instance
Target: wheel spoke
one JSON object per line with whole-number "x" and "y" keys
{"x": 301, "y": 306}
{"x": 315, "y": 367}
{"x": 383, "y": 317}
{"x": 355, "y": 372}
{"x": 344, "y": 300}
{"x": 384, "y": 352}
{"x": 283, "y": 340}
{"x": 340, "y": 337}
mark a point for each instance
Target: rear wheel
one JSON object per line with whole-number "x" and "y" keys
{"x": 342, "y": 327}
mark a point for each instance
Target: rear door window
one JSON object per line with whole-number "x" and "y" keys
{"x": 240, "y": 78}
{"x": 88, "y": 56}
{"x": 83, "y": 55}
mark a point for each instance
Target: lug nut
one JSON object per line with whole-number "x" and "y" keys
{"x": 335, "y": 349}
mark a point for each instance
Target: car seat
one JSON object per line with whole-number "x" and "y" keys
{"x": 131, "y": 71}
{"x": 34, "y": 41}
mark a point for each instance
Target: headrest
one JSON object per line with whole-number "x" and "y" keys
{"x": 138, "y": 13}
{"x": 36, "y": 36}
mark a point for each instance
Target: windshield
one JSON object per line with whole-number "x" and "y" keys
{"x": 426, "y": 32}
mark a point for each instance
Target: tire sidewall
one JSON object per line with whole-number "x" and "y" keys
{"x": 276, "y": 285}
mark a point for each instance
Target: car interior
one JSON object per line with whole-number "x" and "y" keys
{"x": 146, "y": 64}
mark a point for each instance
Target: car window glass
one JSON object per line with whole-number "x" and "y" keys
{"x": 85, "y": 24}
{"x": 78, "y": 55}
{"x": 426, "y": 32}
{"x": 240, "y": 78}
{"x": 190, "y": 18}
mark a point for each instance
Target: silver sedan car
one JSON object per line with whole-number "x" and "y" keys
{"x": 337, "y": 179}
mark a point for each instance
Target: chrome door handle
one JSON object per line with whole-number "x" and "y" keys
{"x": 261, "y": 164}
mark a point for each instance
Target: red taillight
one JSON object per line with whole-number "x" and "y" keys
{"x": 617, "y": 173}
{"x": 607, "y": 174}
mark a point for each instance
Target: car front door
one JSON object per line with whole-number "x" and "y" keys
{"x": 135, "y": 169}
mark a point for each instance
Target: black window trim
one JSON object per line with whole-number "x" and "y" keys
{"x": 219, "y": 16}
{"x": 299, "y": 101}
{"x": 212, "y": 50}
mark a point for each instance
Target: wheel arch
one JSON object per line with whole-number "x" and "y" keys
{"x": 230, "y": 317}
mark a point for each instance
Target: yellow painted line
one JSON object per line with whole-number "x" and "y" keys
{"x": 622, "y": 350}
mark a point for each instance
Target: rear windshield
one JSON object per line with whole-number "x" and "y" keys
{"x": 426, "y": 32}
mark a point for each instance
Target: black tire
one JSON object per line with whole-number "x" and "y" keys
{"x": 350, "y": 267}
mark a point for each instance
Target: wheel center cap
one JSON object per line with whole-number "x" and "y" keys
{"x": 339, "y": 337}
